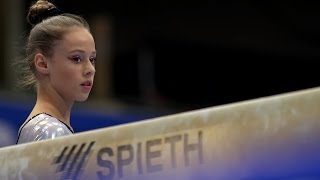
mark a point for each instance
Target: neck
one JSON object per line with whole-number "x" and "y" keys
{"x": 51, "y": 102}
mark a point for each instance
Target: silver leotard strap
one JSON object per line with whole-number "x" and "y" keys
{"x": 41, "y": 127}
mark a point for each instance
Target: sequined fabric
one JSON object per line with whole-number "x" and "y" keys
{"x": 42, "y": 126}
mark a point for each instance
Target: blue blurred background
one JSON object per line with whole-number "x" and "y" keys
{"x": 163, "y": 57}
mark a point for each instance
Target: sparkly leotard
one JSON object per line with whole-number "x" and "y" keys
{"x": 42, "y": 126}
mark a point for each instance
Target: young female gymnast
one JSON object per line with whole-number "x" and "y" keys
{"x": 60, "y": 63}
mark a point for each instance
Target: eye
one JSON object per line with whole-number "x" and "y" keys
{"x": 93, "y": 60}
{"x": 75, "y": 59}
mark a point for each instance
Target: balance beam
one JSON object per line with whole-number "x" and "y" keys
{"x": 274, "y": 137}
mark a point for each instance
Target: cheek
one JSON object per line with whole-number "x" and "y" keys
{"x": 65, "y": 76}
{"x": 69, "y": 76}
{"x": 68, "y": 73}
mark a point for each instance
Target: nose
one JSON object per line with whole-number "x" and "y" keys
{"x": 89, "y": 68}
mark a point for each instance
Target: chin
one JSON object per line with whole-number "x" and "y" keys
{"x": 82, "y": 98}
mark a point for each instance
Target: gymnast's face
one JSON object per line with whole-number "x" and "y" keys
{"x": 72, "y": 66}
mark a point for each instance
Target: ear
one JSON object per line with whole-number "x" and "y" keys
{"x": 41, "y": 63}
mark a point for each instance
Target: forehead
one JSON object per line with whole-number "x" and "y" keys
{"x": 76, "y": 38}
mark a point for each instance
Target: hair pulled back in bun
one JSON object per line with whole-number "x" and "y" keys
{"x": 49, "y": 25}
{"x": 41, "y": 10}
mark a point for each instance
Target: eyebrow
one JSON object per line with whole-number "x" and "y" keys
{"x": 82, "y": 51}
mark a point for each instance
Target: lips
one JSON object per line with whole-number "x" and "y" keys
{"x": 87, "y": 83}
{"x": 87, "y": 86}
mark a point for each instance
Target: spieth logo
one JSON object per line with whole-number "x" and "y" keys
{"x": 72, "y": 160}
